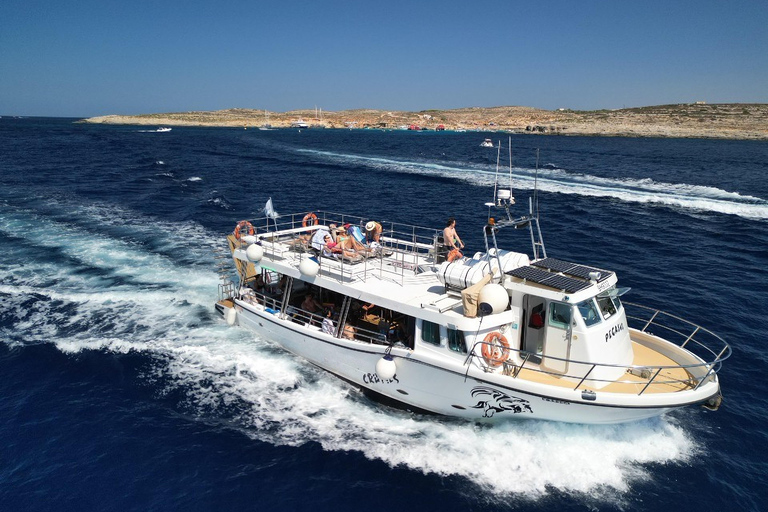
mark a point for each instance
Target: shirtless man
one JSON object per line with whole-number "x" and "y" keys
{"x": 450, "y": 237}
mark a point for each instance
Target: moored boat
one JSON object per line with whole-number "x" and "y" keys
{"x": 497, "y": 335}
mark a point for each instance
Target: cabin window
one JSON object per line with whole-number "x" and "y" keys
{"x": 589, "y": 312}
{"x": 560, "y": 315}
{"x": 430, "y": 332}
{"x": 456, "y": 341}
{"x": 606, "y": 305}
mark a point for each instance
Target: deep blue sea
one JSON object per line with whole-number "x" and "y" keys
{"x": 120, "y": 390}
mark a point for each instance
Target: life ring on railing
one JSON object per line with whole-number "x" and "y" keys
{"x": 310, "y": 219}
{"x": 243, "y": 224}
{"x": 495, "y": 349}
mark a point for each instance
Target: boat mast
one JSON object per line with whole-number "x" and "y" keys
{"x": 503, "y": 198}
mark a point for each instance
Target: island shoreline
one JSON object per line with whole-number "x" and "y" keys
{"x": 733, "y": 121}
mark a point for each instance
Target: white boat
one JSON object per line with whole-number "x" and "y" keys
{"x": 498, "y": 335}
{"x": 163, "y": 129}
{"x": 487, "y": 143}
{"x": 266, "y": 126}
{"x": 299, "y": 124}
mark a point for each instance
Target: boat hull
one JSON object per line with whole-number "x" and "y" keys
{"x": 447, "y": 386}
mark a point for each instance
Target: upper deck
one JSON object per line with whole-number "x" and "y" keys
{"x": 404, "y": 273}
{"x": 400, "y": 275}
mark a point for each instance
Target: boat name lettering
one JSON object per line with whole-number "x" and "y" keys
{"x": 372, "y": 378}
{"x": 613, "y": 331}
{"x": 555, "y": 401}
{"x": 604, "y": 285}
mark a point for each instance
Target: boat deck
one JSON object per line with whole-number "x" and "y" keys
{"x": 668, "y": 380}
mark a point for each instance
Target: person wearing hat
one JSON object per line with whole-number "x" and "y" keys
{"x": 373, "y": 231}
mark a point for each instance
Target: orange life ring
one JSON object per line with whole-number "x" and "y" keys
{"x": 243, "y": 224}
{"x": 495, "y": 349}
{"x": 310, "y": 219}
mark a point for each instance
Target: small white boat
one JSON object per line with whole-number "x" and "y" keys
{"x": 498, "y": 335}
{"x": 299, "y": 124}
{"x": 266, "y": 126}
{"x": 487, "y": 143}
{"x": 163, "y": 129}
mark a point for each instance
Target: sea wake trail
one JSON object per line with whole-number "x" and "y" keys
{"x": 90, "y": 285}
{"x": 685, "y": 197}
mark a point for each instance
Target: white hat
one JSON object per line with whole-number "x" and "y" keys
{"x": 370, "y": 226}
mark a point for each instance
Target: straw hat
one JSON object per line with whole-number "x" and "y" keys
{"x": 370, "y": 226}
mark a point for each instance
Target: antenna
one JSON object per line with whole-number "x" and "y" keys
{"x": 510, "y": 163}
{"x": 536, "y": 185}
{"x": 496, "y": 180}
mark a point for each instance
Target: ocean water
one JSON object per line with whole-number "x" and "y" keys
{"x": 121, "y": 390}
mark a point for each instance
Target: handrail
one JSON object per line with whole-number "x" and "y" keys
{"x": 524, "y": 355}
{"x": 301, "y": 316}
{"x": 704, "y": 346}
{"x": 708, "y": 342}
{"x": 403, "y": 242}
{"x": 415, "y": 233}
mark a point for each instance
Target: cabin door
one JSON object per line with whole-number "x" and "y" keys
{"x": 557, "y": 342}
{"x": 535, "y": 327}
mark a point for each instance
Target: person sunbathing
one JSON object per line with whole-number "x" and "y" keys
{"x": 347, "y": 241}
{"x": 331, "y": 248}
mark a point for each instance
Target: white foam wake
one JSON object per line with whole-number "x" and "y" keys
{"x": 163, "y": 309}
{"x": 647, "y": 191}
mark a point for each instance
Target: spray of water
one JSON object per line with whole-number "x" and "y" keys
{"x": 83, "y": 289}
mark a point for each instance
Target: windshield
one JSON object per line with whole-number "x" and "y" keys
{"x": 588, "y": 312}
{"x": 606, "y": 305}
{"x": 609, "y": 301}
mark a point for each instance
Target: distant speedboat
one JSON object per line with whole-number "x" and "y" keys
{"x": 163, "y": 129}
{"x": 487, "y": 143}
{"x": 299, "y": 124}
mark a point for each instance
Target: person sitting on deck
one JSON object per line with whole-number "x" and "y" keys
{"x": 328, "y": 326}
{"x": 311, "y": 304}
{"x": 349, "y": 332}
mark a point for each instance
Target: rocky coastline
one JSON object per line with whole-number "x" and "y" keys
{"x": 739, "y": 121}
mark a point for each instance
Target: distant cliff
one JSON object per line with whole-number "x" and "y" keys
{"x": 692, "y": 120}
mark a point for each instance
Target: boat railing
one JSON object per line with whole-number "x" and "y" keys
{"x": 226, "y": 290}
{"x": 405, "y": 246}
{"x": 514, "y": 367}
{"x": 273, "y": 301}
{"x": 702, "y": 343}
{"x": 709, "y": 350}
{"x": 398, "y": 236}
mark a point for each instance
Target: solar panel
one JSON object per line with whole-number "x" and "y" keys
{"x": 550, "y": 279}
{"x": 572, "y": 269}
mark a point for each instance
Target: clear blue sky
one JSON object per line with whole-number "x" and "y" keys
{"x": 95, "y": 57}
